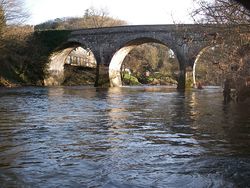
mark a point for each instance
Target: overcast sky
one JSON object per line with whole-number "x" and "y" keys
{"x": 132, "y": 11}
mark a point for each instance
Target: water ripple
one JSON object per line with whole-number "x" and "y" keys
{"x": 126, "y": 137}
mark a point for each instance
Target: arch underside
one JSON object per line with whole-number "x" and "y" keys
{"x": 57, "y": 60}
{"x": 119, "y": 56}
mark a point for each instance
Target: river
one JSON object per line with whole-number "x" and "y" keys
{"x": 122, "y": 137}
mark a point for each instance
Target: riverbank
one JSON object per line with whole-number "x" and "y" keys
{"x": 24, "y": 54}
{"x": 6, "y": 83}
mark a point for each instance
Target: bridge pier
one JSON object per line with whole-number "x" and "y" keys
{"x": 182, "y": 79}
{"x": 182, "y": 56}
{"x": 102, "y": 76}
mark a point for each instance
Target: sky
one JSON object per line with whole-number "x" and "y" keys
{"x": 135, "y": 12}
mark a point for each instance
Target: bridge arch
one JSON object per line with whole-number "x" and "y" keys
{"x": 197, "y": 58}
{"x": 213, "y": 58}
{"x": 120, "y": 54}
{"x": 62, "y": 56}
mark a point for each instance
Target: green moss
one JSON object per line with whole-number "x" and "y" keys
{"x": 150, "y": 79}
{"x": 130, "y": 80}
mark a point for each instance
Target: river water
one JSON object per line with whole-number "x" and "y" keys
{"x": 122, "y": 137}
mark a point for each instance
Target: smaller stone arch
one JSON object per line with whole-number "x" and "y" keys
{"x": 60, "y": 57}
{"x": 121, "y": 53}
{"x": 199, "y": 55}
{"x": 195, "y": 63}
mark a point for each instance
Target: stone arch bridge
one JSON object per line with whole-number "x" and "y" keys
{"x": 110, "y": 46}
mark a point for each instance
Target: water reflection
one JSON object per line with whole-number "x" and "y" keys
{"x": 122, "y": 137}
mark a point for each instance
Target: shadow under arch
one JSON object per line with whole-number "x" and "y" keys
{"x": 122, "y": 52}
{"x": 57, "y": 60}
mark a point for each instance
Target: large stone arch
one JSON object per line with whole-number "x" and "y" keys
{"x": 57, "y": 60}
{"x": 120, "y": 54}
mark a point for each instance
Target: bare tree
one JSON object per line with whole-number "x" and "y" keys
{"x": 92, "y": 18}
{"x": 220, "y": 11}
{"x": 13, "y": 12}
{"x": 2, "y": 19}
{"x": 99, "y": 18}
